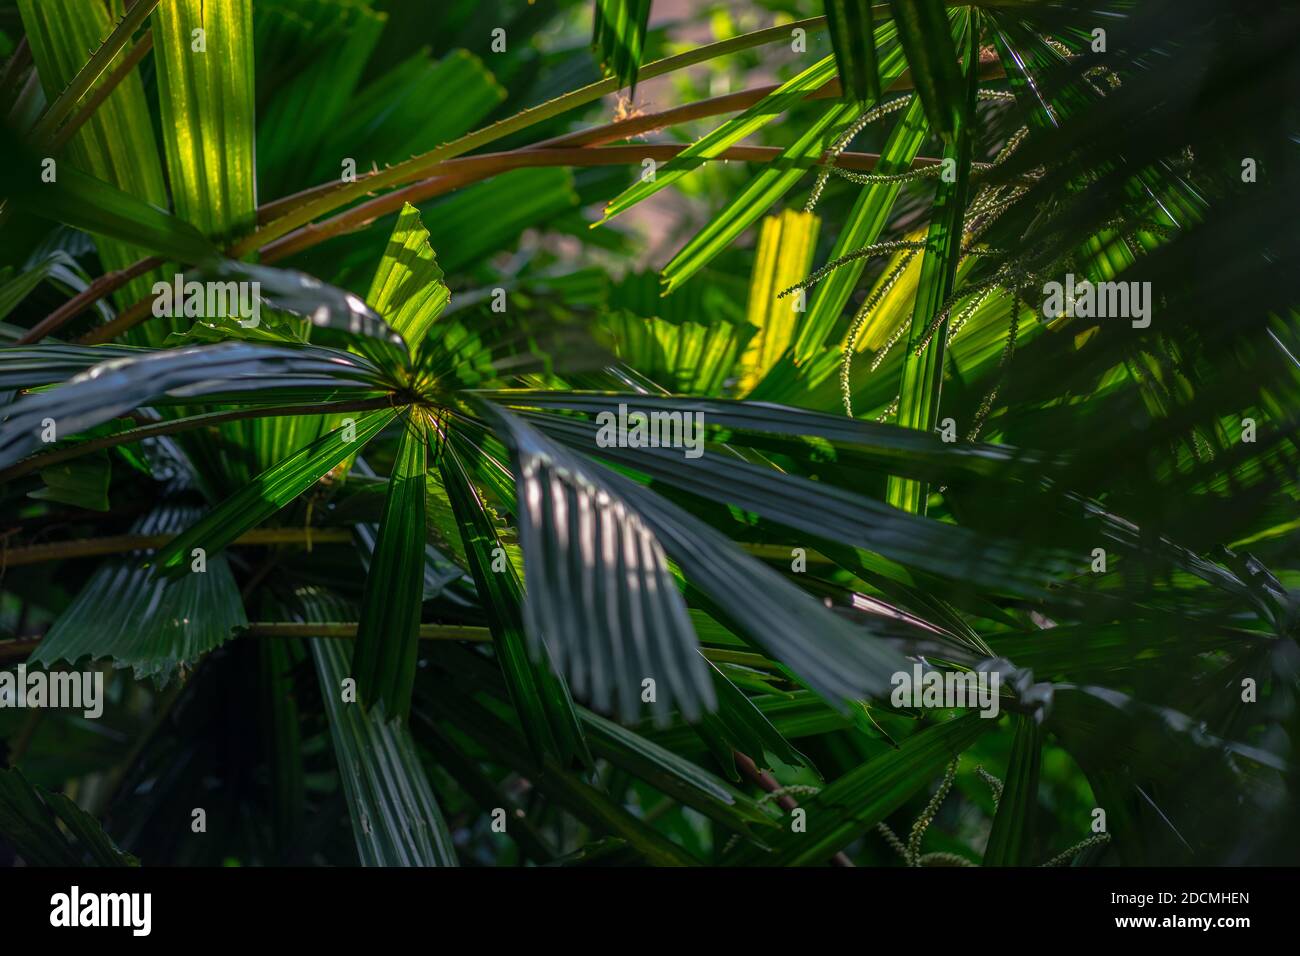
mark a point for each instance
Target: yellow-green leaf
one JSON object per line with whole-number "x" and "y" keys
{"x": 785, "y": 250}
{"x": 204, "y": 51}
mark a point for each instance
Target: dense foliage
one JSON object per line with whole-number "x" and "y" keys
{"x": 334, "y": 334}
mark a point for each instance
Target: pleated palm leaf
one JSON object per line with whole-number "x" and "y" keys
{"x": 1009, "y": 395}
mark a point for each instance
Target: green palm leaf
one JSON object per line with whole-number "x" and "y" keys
{"x": 48, "y": 829}
{"x": 385, "y": 656}
{"x": 119, "y": 385}
{"x": 853, "y": 37}
{"x": 271, "y": 491}
{"x": 860, "y": 799}
{"x": 922, "y": 380}
{"x": 205, "y": 86}
{"x": 155, "y": 626}
{"x": 1011, "y": 842}
{"x": 116, "y": 144}
{"x": 396, "y": 820}
{"x": 619, "y": 36}
{"x": 728, "y": 134}
{"x": 541, "y": 699}
{"x": 580, "y": 539}
{"x": 932, "y": 57}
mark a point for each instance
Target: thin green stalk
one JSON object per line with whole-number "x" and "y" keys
{"x": 348, "y": 629}
{"x": 100, "y": 61}
{"x": 126, "y": 543}
{"x": 440, "y": 632}
{"x": 103, "y": 92}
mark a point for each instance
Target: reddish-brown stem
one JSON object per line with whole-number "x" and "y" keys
{"x": 596, "y": 136}
{"x": 18, "y": 650}
{"x": 761, "y": 778}
{"x": 623, "y": 129}
{"x": 104, "y": 285}
{"x": 444, "y": 181}
{"x": 607, "y": 133}
{"x": 458, "y": 172}
{"x": 702, "y": 109}
{"x": 455, "y": 173}
{"x": 126, "y": 319}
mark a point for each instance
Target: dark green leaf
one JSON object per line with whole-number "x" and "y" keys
{"x": 84, "y": 202}
{"x": 395, "y": 818}
{"x": 853, "y": 38}
{"x": 619, "y": 37}
{"x": 598, "y": 584}
{"x": 271, "y": 491}
{"x": 541, "y": 699}
{"x": 31, "y": 820}
{"x": 126, "y": 381}
{"x": 1011, "y": 842}
{"x": 922, "y": 379}
{"x": 82, "y": 483}
{"x": 932, "y": 57}
{"x": 863, "y": 797}
{"x": 156, "y": 626}
{"x": 388, "y": 633}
